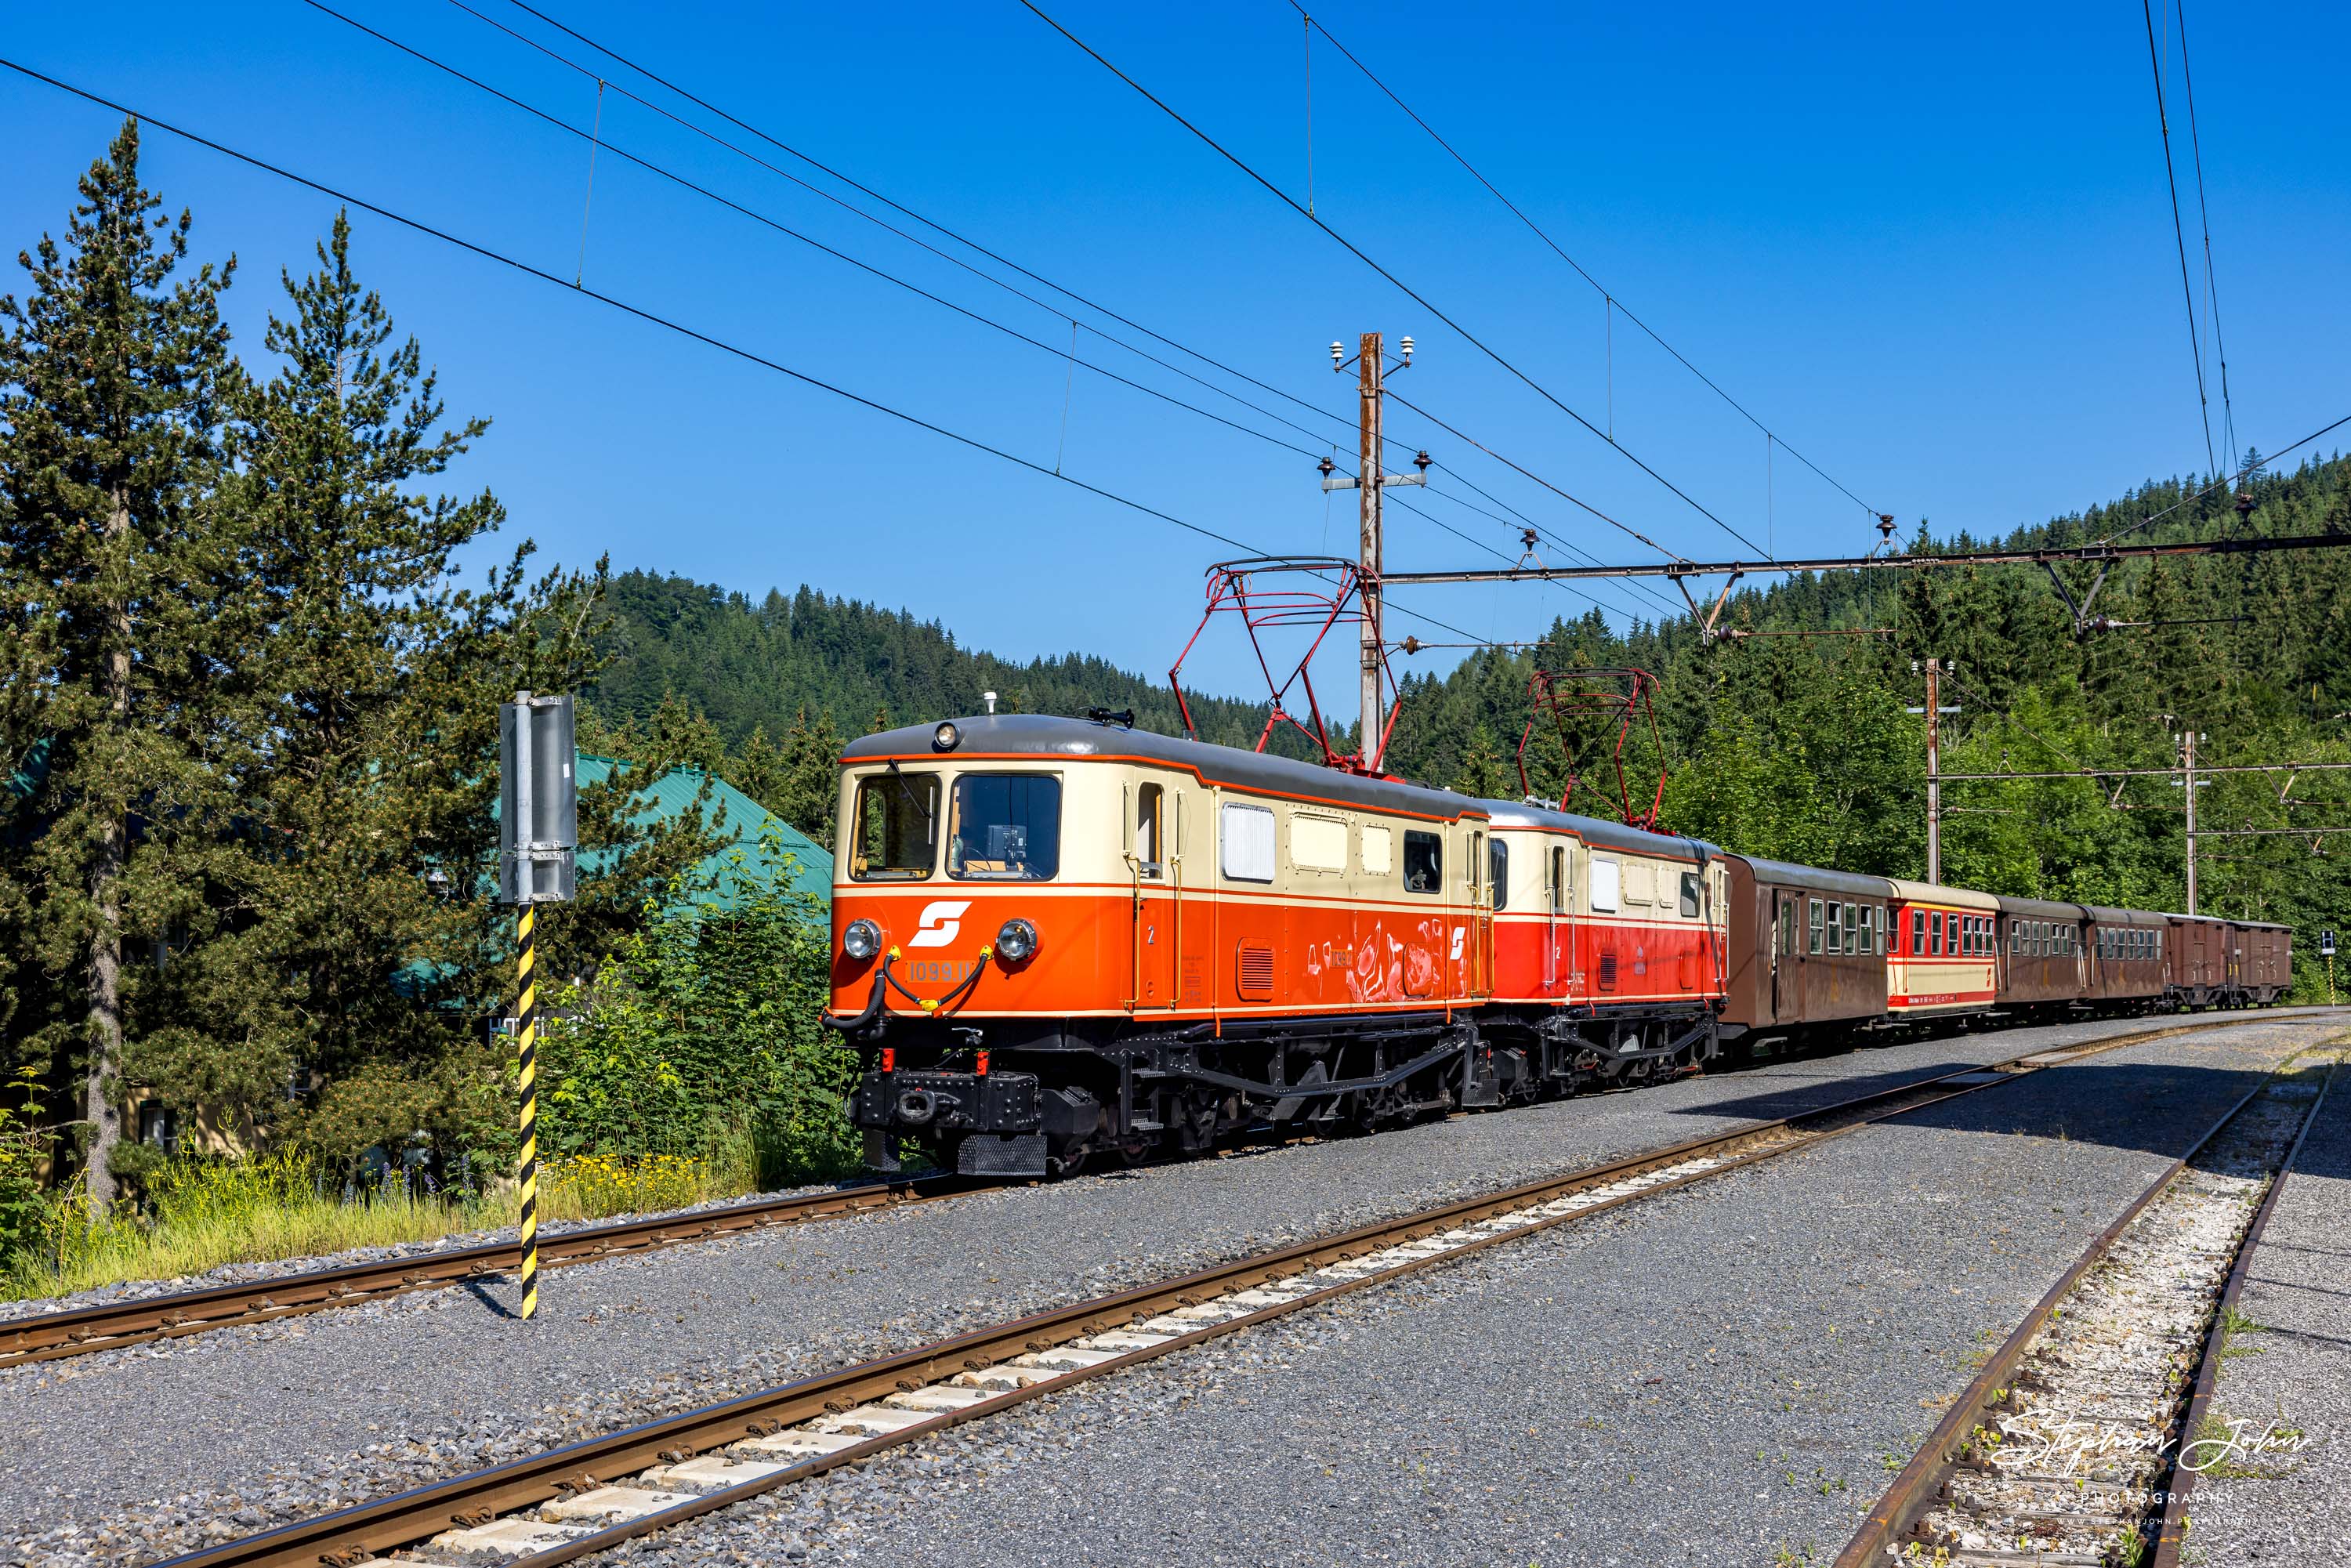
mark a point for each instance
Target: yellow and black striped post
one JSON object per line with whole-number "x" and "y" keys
{"x": 526, "y": 1087}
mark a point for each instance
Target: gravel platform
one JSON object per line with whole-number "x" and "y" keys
{"x": 2291, "y": 1506}
{"x": 275, "y": 1420}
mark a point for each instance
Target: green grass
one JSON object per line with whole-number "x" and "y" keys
{"x": 199, "y": 1215}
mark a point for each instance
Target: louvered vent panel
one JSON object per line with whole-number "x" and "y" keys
{"x": 1253, "y": 975}
{"x": 1608, "y": 971}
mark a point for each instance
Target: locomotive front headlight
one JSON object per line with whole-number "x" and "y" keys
{"x": 946, "y": 737}
{"x": 862, "y": 940}
{"x": 1016, "y": 941}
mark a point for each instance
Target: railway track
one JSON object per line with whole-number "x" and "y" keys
{"x": 81, "y": 1331}
{"x": 572, "y": 1501}
{"x": 110, "y": 1325}
{"x": 2076, "y": 1444}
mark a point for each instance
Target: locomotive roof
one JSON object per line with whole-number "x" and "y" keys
{"x": 1596, "y": 831}
{"x": 1787, "y": 874}
{"x": 1044, "y": 735}
{"x": 2038, "y": 908}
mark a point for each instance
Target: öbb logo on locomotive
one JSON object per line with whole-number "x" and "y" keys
{"x": 1152, "y": 945}
{"x": 939, "y": 923}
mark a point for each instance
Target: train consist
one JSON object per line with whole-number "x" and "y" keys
{"x": 1056, "y": 939}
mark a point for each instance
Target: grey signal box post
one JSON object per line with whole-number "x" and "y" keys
{"x": 538, "y": 833}
{"x": 539, "y": 800}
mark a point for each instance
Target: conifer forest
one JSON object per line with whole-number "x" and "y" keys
{"x": 240, "y": 683}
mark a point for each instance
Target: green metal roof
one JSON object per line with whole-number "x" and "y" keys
{"x": 734, "y": 818}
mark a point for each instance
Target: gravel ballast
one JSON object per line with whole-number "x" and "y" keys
{"x": 2286, "y": 1503}
{"x": 1727, "y": 1374}
{"x": 275, "y": 1420}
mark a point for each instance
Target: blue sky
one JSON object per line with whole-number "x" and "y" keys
{"x": 1931, "y": 248}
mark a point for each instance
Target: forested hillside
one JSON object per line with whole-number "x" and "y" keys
{"x": 1778, "y": 740}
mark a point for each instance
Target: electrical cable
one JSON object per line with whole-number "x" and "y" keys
{"x": 1614, "y": 303}
{"x": 899, "y": 207}
{"x": 2204, "y": 218}
{"x": 2238, "y": 478}
{"x": 756, "y": 216}
{"x": 752, "y": 158}
{"x": 651, "y": 317}
{"x": 1621, "y": 528}
{"x": 1411, "y": 293}
{"x": 2180, "y": 235}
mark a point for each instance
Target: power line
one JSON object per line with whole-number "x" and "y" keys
{"x": 2204, "y": 218}
{"x": 1615, "y": 303}
{"x": 683, "y": 183}
{"x": 2180, "y": 235}
{"x": 957, "y": 261}
{"x": 652, "y": 318}
{"x": 1528, "y": 473}
{"x": 896, "y": 206}
{"x": 2238, "y": 477}
{"x": 1411, "y": 293}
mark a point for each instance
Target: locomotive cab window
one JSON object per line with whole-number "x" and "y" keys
{"x": 1559, "y": 881}
{"x": 1006, "y": 827}
{"x": 1499, "y": 853}
{"x": 1423, "y": 863}
{"x": 894, "y": 828}
{"x": 1689, "y": 895}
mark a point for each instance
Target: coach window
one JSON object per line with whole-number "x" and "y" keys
{"x": 1836, "y": 927}
{"x": 1245, "y": 842}
{"x": 1788, "y": 929}
{"x": 1499, "y": 855}
{"x": 897, "y": 828}
{"x": 1149, "y": 801}
{"x": 1006, "y": 826}
{"x": 1424, "y": 862}
{"x": 1812, "y": 936}
{"x": 1690, "y": 895}
{"x": 1868, "y": 930}
{"x": 1918, "y": 933}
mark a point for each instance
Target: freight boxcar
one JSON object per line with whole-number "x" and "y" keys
{"x": 1807, "y": 950}
{"x": 2261, "y": 962}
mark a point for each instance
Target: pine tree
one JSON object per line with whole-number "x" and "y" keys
{"x": 376, "y": 749}
{"x": 114, "y": 567}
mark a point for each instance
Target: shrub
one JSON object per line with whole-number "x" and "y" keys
{"x": 701, "y": 1033}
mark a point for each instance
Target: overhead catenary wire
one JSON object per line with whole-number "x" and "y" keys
{"x": 1413, "y": 294}
{"x": 651, "y": 317}
{"x": 2204, "y": 219}
{"x": 827, "y": 170}
{"x": 1059, "y": 288}
{"x": 1611, "y": 303}
{"x": 784, "y": 229}
{"x": 2237, "y": 478}
{"x": 2180, "y": 235}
